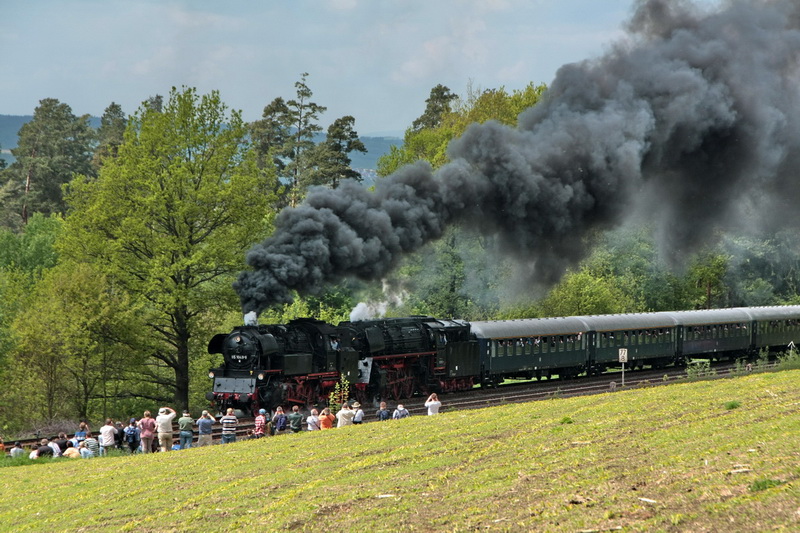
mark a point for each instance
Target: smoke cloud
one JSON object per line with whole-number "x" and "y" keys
{"x": 691, "y": 120}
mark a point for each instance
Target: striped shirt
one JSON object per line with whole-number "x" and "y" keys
{"x": 93, "y": 446}
{"x": 261, "y": 424}
{"x": 229, "y": 424}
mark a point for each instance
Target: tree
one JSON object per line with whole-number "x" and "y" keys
{"x": 110, "y": 134}
{"x": 24, "y": 256}
{"x": 330, "y": 160}
{"x": 706, "y": 275}
{"x": 270, "y": 135}
{"x": 446, "y": 117}
{"x": 78, "y": 338}
{"x": 170, "y": 217}
{"x": 51, "y": 148}
{"x": 437, "y": 106}
{"x": 580, "y": 293}
{"x": 286, "y": 135}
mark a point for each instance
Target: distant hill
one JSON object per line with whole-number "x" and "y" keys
{"x": 376, "y": 146}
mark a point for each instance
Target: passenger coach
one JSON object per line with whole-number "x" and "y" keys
{"x": 569, "y": 346}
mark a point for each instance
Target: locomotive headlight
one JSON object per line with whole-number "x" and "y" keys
{"x": 261, "y": 376}
{"x": 211, "y": 374}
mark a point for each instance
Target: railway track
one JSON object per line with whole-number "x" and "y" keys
{"x": 521, "y": 392}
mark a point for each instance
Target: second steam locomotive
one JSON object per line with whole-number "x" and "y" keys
{"x": 302, "y": 361}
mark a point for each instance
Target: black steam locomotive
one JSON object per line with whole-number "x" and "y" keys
{"x": 394, "y": 358}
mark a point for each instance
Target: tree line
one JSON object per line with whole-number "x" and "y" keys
{"x": 118, "y": 246}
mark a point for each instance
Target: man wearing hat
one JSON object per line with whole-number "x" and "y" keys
{"x": 261, "y": 424}
{"x": 204, "y": 424}
{"x": 185, "y": 424}
{"x": 164, "y": 426}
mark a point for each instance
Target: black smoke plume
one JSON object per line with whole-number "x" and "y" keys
{"x": 692, "y": 119}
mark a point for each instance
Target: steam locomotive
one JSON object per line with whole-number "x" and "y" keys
{"x": 394, "y": 358}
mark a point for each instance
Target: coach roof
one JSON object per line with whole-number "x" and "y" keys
{"x": 528, "y": 327}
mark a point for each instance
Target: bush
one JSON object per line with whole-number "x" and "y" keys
{"x": 732, "y": 405}
{"x": 699, "y": 369}
{"x": 789, "y": 360}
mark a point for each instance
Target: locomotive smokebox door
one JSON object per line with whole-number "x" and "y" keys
{"x": 349, "y": 365}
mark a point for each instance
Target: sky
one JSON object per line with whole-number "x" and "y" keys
{"x": 376, "y": 60}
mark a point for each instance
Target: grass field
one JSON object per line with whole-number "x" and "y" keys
{"x": 720, "y": 455}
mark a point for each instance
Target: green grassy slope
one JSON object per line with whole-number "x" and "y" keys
{"x": 671, "y": 458}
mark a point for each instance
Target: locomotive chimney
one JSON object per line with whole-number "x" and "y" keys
{"x": 251, "y": 319}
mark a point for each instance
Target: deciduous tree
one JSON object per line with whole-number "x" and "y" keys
{"x": 169, "y": 219}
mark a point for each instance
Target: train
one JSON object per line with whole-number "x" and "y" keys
{"x": 395, "y": 358}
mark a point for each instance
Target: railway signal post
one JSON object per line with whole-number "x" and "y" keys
{"x": 623, "y": 358}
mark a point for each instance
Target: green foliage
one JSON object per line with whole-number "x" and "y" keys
{"x": 33, "y": 249}
{"x": 339, "y": 395}
{"x": 446, "y": 117}
{"x": 437, "y": 106}
{"x": 77, "y": 346}
{"x": 706, "y": 275}
{"x": 330, "y": 160}
{"x": 699, "y": 368}
{"x": 333, "y": 306}
{"x": 581, "y": 293}
{"x": 110, "y": 134}
{"x": 168, "y": 218}
{"x": 789, "y": 360}
{"x": 285, "y": 136}
{"x": 566, "y": 420}
{"x": 733, "y": 404}
{"x": 52, "y": 147}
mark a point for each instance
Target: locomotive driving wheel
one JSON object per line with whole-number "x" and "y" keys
{"x": 408, "y": 383}
{"x": 395, "y": 388}
{"x": 360, "y": 395}
{"x": 306, "y": 393}
{"x": 398, "y": 383}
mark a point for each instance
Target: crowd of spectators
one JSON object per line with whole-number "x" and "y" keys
{"x": 148, "y": 434}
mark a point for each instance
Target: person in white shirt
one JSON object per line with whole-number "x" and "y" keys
{"x": 107, "y": 433}
{"x": 433, "y": 404}
{"x": 345, "y": 416}
{"x": 359, "y": 414}
{"x": 164, "y": 427}
{"x": 17, "y": 450}
{"x": 312, "y": 422}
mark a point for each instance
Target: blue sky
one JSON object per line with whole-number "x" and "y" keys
{"x": 374, "y": 59}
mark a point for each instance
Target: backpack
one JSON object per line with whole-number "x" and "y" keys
{"x": 280, "y": 423}
{"x": 131, "y": 434}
